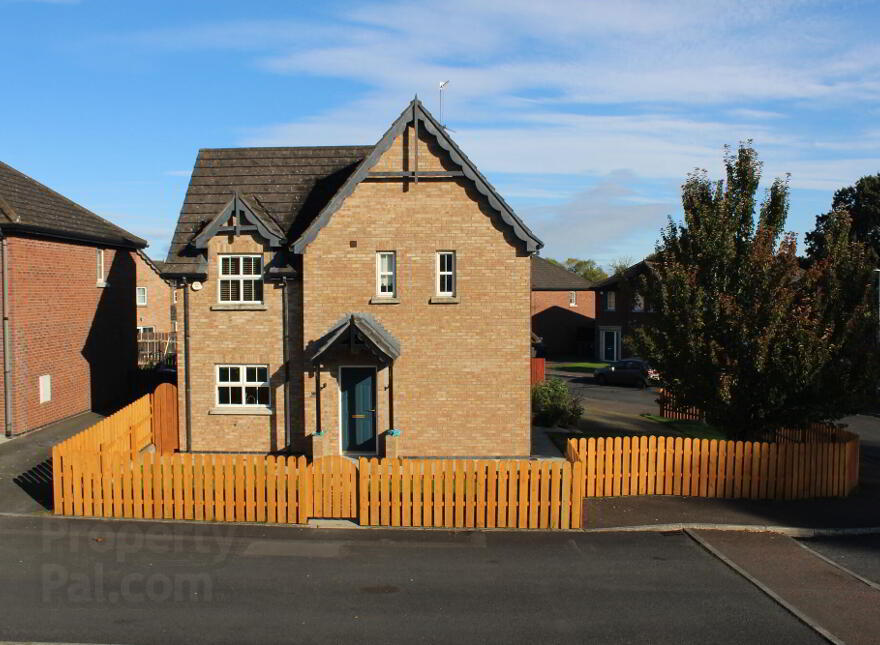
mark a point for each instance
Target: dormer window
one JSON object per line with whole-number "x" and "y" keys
{"x": 241, "y": 279}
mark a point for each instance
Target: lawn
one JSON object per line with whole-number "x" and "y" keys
{"x": 581, "y": 366}
{"x": 665, "y": 428}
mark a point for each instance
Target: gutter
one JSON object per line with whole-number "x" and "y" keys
{"x": 7, "y": 343}
{"x": 45, "y": 231}
{"x": 186, "y": 367}
{"x": 285, "y": 353}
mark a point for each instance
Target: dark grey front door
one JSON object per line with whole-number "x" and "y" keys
{"x": 609, "y": 343}
{"x": 358, "y": 409}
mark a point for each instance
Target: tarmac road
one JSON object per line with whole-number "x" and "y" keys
{"x": 93, "y": 581}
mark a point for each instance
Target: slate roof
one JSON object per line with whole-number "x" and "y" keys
{"x": 28, "y": 206}
{"x": 630, "y": 273}
{"x": 371, "y": 328}
{"x": 547, "y": 276}
{"x": 289, "y": 186}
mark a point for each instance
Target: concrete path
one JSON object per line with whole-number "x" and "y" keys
{"x": 25, "y": 465}
{"x": 825, "y": 596}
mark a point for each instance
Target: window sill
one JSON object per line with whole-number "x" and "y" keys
{"x": 378, "y": 300}
{"x": 141, "y": 305}
{"x": 239, "y": 307}
{"x": 101, "y": 284}
{"x": 444, "y": 300}
{"x": 254, "y": 411}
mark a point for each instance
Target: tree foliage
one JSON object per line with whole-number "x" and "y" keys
{"x": 743, "y": 330}
{"x": 587, "y": 269}
{"x": 620, "y": 265}
{"x": 862, "y": 202}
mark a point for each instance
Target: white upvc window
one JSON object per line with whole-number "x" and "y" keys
{"x": 572, "y": 299}
{"x": 99, "y": 267}
{"x": 446, "y": 273}
{"x": 638, "y": 304}
{"x": 45, "y": 388}
{"x": 241, "y": 279}
{"x": 141, "y": 296}
{"x": 243, "y": 385}
{"x": 610, "y": 301}
{"x": 386, "y": 274}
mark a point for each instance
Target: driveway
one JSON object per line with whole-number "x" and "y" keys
{"x": 26, "y": 467}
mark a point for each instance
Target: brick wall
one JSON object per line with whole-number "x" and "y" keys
{"x": 64, "y": 326}
{"x": 622, "y": 318}
{"x": 461, "y": 384}
{"x": 157, "y": 312}
{"x": 232, "y": 337}
{"x": 566, "y": 330}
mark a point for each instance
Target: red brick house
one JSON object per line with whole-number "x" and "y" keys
{"x": 68, "y": 301}
{"x": 619, "y": 310}
{"x": 563, "y": 310}
{"x": 154, "y": 296}
{"x": 335, "y": 296}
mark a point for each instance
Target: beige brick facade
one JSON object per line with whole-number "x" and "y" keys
{"x": 461, "y": 383}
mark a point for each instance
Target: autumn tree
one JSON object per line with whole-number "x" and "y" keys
{"x": 747, "y": 331}
{"x": 587, "y": 269}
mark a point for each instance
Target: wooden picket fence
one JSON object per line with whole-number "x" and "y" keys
{"x": 712, "y": 468}
{"x": 670, "y": 408}
{"x": 471, "y": 493}
{"x": 106, "y": 471}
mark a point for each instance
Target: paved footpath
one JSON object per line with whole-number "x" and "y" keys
{"x": 845, "y": 607}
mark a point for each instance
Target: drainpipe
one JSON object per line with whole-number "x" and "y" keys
{"x": 186, "y": 366}
{"x": 7, "y": 342}
{"x": 285, "y": 353}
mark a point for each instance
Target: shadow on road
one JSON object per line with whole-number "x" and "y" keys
{"x": 37, "y": 482}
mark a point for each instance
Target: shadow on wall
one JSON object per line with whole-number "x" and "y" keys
{"x": 111, "y": 346}
{"x": 565, "y": 332}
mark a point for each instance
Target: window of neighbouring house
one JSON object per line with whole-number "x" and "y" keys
{"x": 610, "y": 298}
{"x": 45, "y": 388}
{"x": 99, "y": 267}
{"x": 638, "y": 303}
{"x": 146, "y": 330}
{"x": 386, "y": 274}
{"x": 241, "y": 278}
{"x": 572, "y": 299}
{"x": 141, "y": 296}
{"x": 243, "y": 385}
{"x": 446, "y": 273}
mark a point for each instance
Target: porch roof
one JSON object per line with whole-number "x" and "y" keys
{"x": 358, "y": 330}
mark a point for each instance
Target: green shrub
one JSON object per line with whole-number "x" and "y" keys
{"x": 553, "y": 405}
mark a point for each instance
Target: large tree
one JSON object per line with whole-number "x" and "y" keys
{"x": 862, "y": 202}
{"x": 743, "y": 330}
{"x": 587, "y": 269}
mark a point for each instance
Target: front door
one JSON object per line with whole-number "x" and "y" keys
{"x": 358, "y": 409}
{"x": 609, "y": 345}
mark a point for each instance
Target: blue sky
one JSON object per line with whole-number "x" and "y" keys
{"x": 585, "y": 115}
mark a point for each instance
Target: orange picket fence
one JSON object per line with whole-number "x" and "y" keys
{"x": 670, "y": 408}
{"x": 119, "y": 468}
{"x": 472, "y": 493}
{"x": 712, "y": 468}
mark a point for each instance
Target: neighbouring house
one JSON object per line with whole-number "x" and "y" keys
{"x": 154, "y": 297}
{"x": 68, "y": 300}
{"x": 563, "y": 310}
{"x": 619, "y": 310}
{"x": 331, "y": 295}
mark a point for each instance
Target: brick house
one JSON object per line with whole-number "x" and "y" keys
{"x": 331, "y": 294}
{"x": 563, "y": 310}
{"x": 154, "y": 296}
{"x": 68, "y": 302}
{"x": 619, "y": 310}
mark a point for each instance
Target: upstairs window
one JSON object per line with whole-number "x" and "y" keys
{"x": 446, "y": 273}
{"x": 638, "y": 304}
{"x": 99, "y": 267}
{"x": 610, "y": 298}
{"x": 572, "y": 299}
{"x": 386, "y": 274}
{"x": 141, "y": 296}
{"x": 241, "y": 278}
{"x": 243, "y": 385}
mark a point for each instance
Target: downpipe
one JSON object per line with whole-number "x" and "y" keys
{"x": 7, "y": 343}
{"x": 186, "y": 366}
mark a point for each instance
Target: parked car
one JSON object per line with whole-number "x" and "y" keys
{"x": 631, "y": 371}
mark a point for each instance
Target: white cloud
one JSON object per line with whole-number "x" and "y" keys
{"x": 178, "y": 173}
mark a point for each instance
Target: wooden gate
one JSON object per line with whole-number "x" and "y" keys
{"x": 165, "y": 431}
{"x": 334, "y": 485}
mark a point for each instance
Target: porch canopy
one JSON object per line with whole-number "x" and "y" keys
{"x": 358, "y": 333}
